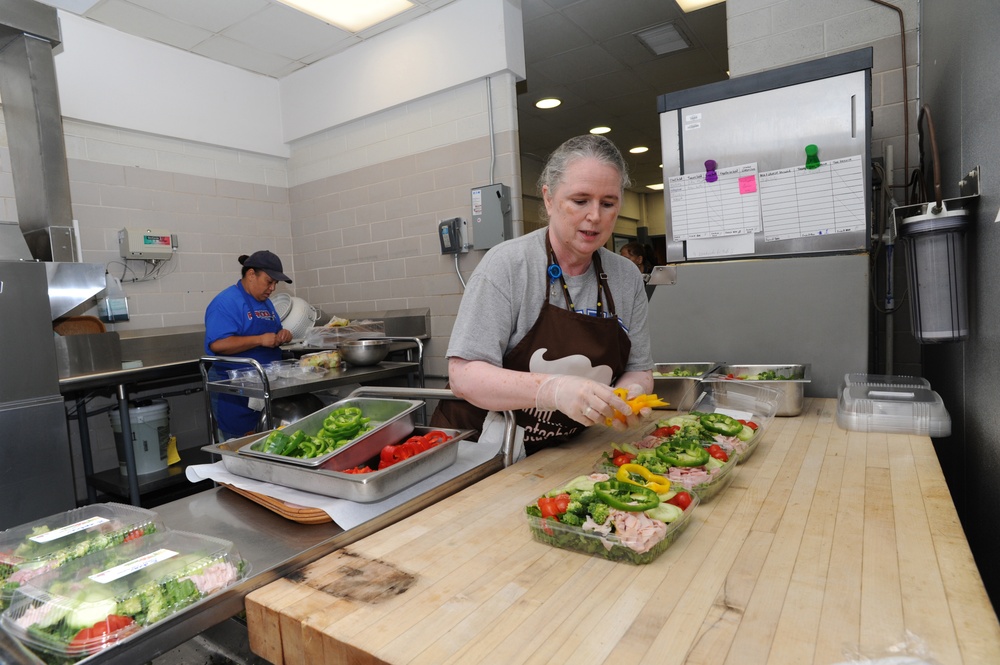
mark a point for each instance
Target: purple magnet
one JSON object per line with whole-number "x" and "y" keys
{"x": 710, "y": 174}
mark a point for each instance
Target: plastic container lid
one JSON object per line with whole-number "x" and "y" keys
{"x": 743, "y": 401}
{"x": 886, "y": 380}
{"x": 97, "y": 600}
{"x": 898, "y": 410}
{"x": 37, "y": 547}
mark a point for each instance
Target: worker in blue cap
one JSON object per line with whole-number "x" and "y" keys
{"x": 241, "y": 321}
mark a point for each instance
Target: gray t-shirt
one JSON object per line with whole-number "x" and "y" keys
{"x": 504, "y": 297}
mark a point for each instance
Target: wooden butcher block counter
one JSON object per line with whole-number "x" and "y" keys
{"x": 825, "y": 541}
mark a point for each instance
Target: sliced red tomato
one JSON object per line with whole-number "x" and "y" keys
{"x": 622, "y": 458}
{"x": 682, "y": 500}
{"x": 553, "y": 506}
{"x": 664, "y": 432}
{"x": 717, "y": 451}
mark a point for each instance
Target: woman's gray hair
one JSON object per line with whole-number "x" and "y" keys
{"x": 588, "y": 145}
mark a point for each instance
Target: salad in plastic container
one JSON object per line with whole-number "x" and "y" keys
{"x": 37, "y": 547}
{"x": 681, "y": 450}
{"x": 632, "y": 517}
{"x": 95, "y": 601}
{"x": 753, "y": 406}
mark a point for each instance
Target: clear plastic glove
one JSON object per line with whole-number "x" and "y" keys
{"x": 632, "y": 419}
{"x": 584, "y": 400}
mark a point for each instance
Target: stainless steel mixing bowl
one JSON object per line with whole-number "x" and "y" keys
{"x": 363, "y": 352}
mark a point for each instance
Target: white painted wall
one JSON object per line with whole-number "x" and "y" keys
{"x": 461, "y": 42}
{"x": 111, "y": 78}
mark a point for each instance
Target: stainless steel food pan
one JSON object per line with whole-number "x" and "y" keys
{"x": 679, "y": 391}
{"x": 391, "y": 421}
{"x": 791, "y": 389}
{"x": 364, "y": 487}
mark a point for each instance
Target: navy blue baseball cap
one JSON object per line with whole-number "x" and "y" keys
{"x": 269, "y": 263}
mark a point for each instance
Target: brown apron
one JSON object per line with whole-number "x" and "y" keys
{"x": 562, "y": 333}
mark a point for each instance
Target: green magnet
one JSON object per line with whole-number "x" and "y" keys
{"x": 812, "y": 156}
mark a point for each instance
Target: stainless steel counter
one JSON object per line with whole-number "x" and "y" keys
{"x": 273, "y": 545}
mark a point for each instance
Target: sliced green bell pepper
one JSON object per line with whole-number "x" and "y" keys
{"x": 626, "y": 496}
{"x": 682, "y": 453}
{"x": 720, "y": 423}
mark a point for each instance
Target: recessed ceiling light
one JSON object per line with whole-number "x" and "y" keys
{"x": 658, "y": 186}
{"x": 638, "y": 150}
{"x": 662, "y": 39}
{"x": 600, "y": 130}
{"x": 694, "y": 5}
{"x": 548, "y": 103}
{"x": 350, "y": 15}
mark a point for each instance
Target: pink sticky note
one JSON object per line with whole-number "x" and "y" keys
{"x": 748, "y": 184}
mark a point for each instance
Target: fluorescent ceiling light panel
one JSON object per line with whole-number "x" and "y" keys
{"x": 662, "y": 39}
{"x": 695, "y": 5}
{"x": 351, "y": 15}
{"x": 658, "y": 186}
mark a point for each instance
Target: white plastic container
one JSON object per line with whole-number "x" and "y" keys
{"x": 150, "y": 436}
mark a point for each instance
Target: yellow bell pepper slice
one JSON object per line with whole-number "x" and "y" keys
{"x": 658, "y": 484}
{"x": 637, "y": 403}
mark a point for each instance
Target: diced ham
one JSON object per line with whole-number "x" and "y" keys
{"x": 214, "y": 577}
{"x": 689, "y": 477}
{"x": 636, "y": 530}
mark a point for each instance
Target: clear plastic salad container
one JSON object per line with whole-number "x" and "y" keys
{"x": 886, "y": 380}
{"x": 896, "y": 410}
{"x": 631, "y": 537}
{"x": 31, "y": 549}
{"x": 744, "y": 401}
{"x": 98, "y": 600}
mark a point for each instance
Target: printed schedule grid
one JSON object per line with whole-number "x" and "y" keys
{"x": 729, "y": 206}
{"x": 797, "y": 202}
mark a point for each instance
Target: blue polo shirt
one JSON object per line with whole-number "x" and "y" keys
{"x": 236, "y": 312}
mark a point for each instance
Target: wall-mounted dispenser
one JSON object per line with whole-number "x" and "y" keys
{"x": 933, "y": 237}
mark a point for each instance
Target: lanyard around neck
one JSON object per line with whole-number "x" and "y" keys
{"x": 555, "y": 272}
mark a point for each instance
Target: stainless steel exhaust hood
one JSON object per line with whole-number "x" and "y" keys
{"x": 33, "y": 117}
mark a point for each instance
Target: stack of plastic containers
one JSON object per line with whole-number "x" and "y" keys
{"x": 892, "y": 404}
{"x": 80, "y": 581}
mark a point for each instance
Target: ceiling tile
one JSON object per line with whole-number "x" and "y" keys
{"x": 578, "y": 64}
{"x": 551, "y": 34}
{"x": 284, "y": 31}
{"x": 141, "y": 22}
{"x": 603, "y": 20}
{"x": 213, "y": 15}
{"x": 239, "y": 54}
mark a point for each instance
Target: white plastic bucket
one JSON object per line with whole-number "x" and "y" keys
{"x": 150, "y": 436}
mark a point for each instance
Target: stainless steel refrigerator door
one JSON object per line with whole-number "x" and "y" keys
{"x": 36, "y": 470}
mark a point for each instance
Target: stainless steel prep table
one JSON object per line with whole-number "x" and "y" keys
{"x": 123, "y": 382}
{"x": 273, "y": 545}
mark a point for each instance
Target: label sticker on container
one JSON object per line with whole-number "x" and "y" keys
{"x": 61, "y": 532}
{"x": 146, "y": 560}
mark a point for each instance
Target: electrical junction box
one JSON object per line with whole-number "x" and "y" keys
{"x": 145, "y": 244}
{"x": 491, "y": 216}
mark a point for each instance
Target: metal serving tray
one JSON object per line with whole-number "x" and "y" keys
{"x": 792, "y": 390}
{"x": 679, "y": 391}
{"x": 391, "y": 420}
{"x": 330, "y": 481}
